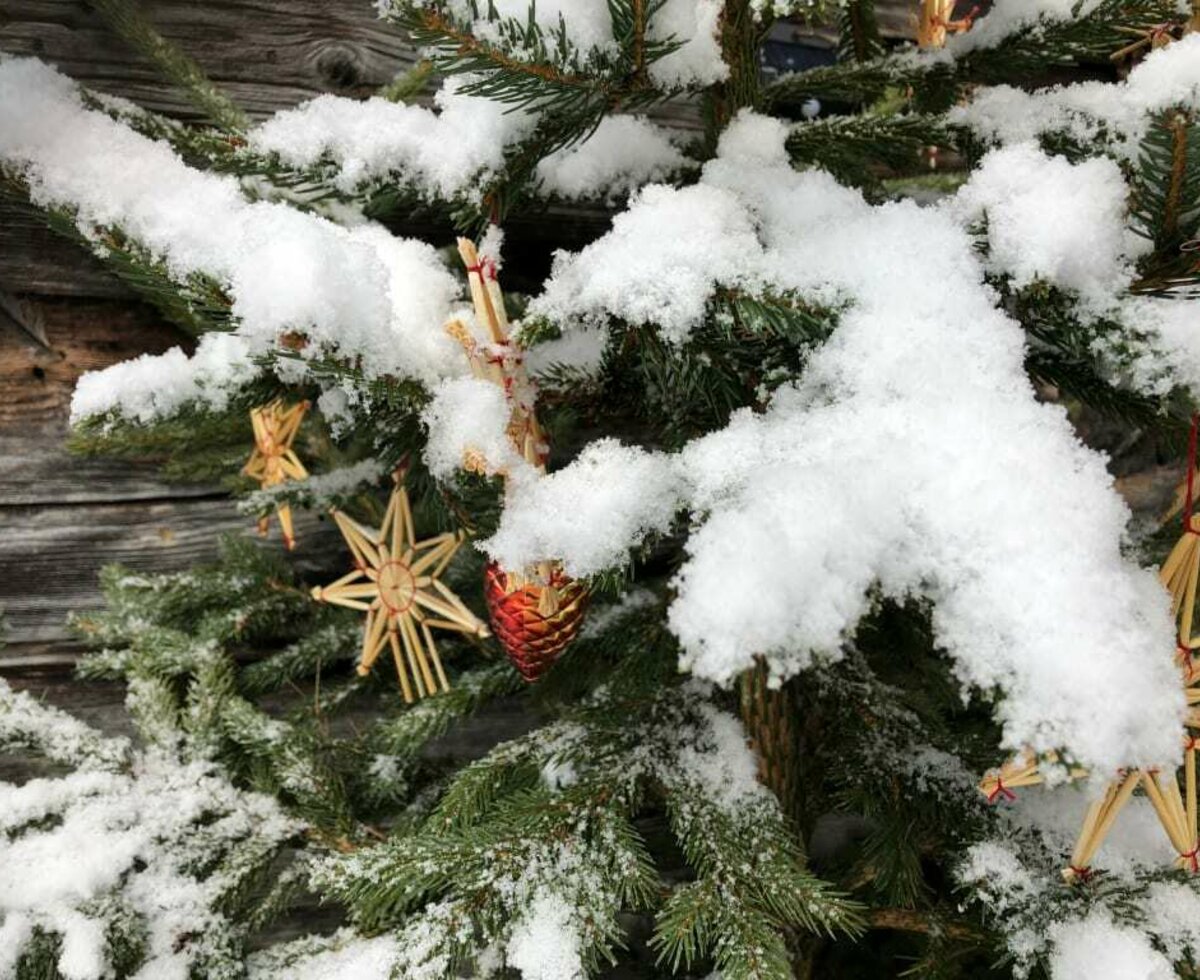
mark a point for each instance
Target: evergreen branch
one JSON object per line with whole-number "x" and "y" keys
{"x": 858, "y": 32}
{"x": 910, "y": 920}
{"x": 409, "y": 84}
{"x": 322, "y": 646}
{"x": 1165, "y": 206}
{"x": 1064, "y": 351}
{"x": 854, "y": 148}
{"x": 128, "y": 20}
{"x": 197, "y": 304}
{"x": 936, "y": 81}
{"x": 404, "y": 735}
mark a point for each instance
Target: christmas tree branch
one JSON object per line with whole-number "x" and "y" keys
{"x": 128, "y": 20}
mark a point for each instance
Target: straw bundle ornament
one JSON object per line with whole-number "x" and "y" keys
{"x": 396, "y": 581}
{"x": 273, "y": 460}
{"x": 1176, "y": 810}
{"x": 535, "y": 611}
{"x": 936, "y": 21}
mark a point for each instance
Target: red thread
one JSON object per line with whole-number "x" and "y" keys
{"x": 1191, "y": 858}
{"x": 1083, "y": 874}
{"x": 485, "y": 268}
{"x": 1001, "y": 790}
{"x": 1191, "y": 477}
{"x": 1190, "y": 744}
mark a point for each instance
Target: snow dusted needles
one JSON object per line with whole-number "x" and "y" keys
{"x": 910, "y": 460}
{"x": 911, "y": 456}
{"x": 358, "y": 292}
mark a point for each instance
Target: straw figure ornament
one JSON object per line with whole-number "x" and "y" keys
{"x": 397, "y": 582}
{"x": 536, "y": 611}
{"x": 273, "y": 460}
{"x": 1176, "y": 810}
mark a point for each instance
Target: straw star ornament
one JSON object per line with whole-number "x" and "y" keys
{"x": 273, "y": 460}
{"x": 396, "y": 582}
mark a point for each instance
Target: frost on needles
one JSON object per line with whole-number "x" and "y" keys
{"x": 858, "y": 474}
{"x": 798, "y": 414}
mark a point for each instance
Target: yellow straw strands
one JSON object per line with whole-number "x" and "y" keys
{"x": 396, "y": 582}
{"x": 273, "y": 460}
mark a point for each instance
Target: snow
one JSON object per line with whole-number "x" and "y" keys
{"x": 469, "y": 415}
{"x": 132, "y": 833}
{"x": 319, "y": 489}
{"x": 154, "y": 386}
{"x": 995, "y": 510}
{"x": 545, "y": 942}
{"x": 26, "y": 723}
{"x": 589, "y": 512}
{"x": 1122, "y": 111}
{"x": 715, "y": 757}
{"x": 581, "y": 349}
{"x": 657, "y": 264}
{"x": 1052, "y": 220}
{"x": 341, "y": 956}
{"x": 1097, "y": 948}
{"x": 447, "y": 153}
{"x": 1007, "y": 17}
{"x": 697, "y": 61}
{"x": 1165, "y": 351}
{"x": 359, "y": 293}
{"x": 623, "y": 153}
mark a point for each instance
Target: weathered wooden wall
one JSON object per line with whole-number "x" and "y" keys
{"x": 62, "y": 518}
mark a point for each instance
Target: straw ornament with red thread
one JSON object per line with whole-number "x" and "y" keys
{"x": 535, "y": 612}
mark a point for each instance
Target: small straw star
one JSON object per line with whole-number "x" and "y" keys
{"x": 273, "y": 460}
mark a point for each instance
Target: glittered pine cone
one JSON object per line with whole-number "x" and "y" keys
{"x": 534, "y": 623}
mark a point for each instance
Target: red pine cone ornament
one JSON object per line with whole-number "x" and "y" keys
{"x": 533, "y": 622}
{"x": 537, "y": 611}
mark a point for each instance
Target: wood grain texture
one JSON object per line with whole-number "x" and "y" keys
{"x": 264, "y": 54}
{"x": 52, "y": 554}
{"x": 63, "y": 518}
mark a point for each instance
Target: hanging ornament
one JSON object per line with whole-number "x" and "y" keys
{"x": 273, "y": 460}
{"x": 536, "y": 611}
{"x": 1176, "y": 810}
{"x": 397, "y": 582}
{"x": 532, "y": 623}
{"x": 936, "y": 21}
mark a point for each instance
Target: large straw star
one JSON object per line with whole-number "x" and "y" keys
{"x": 396, "y": 581}
{"x": 274, "y": 461}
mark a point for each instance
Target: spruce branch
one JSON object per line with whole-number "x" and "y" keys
{"x": 1166, "y": 204}
{"x": 935, "y": 81}
{"x": 197, "y": 304}
{"x": 127, "y": 19}
{"x": 858, "y": 32}
{"x": 855, "y": 149}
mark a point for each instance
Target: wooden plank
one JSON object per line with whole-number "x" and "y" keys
{"x": 37, "y": 380}
{"x": 36, "y": 470}
{"x": 51, "y": 556}
{"x": 265, "y": 55}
